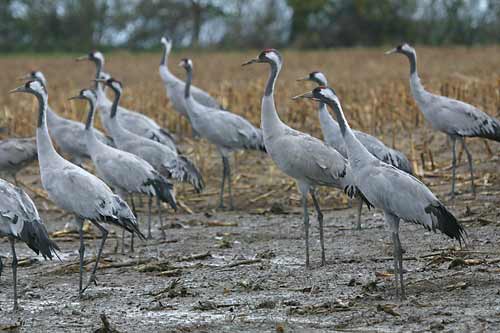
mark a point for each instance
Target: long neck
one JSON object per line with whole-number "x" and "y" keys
{"x": 412, "y": 57}
{"x": 329, "y": 127}
{"x": 92, "y": 141}
{"x": 98, "y": 70}
{"x": 46, "y": 151}
{"x": 270, "y": 120}
{"x": 164, "y": 57}
{"x": 90, "y": 116}
{"x": 189, "y": 78}
{"x": 114, "y": 106}
{"x": 273, "y": 75}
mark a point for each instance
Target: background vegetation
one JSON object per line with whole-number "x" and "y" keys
{"x": 77, "y": 25}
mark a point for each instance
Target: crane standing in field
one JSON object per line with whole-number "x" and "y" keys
{"x": 455, "y": 118}
{"x": 400, "y": 195}
{"x": 15, "y": 154}
{"x": 133, "y": 121}
{"x": 74, "y": 189}
{"x": 175, "y": 87}
{"x": 333, "y": 137}
{"x": 306, "y": 159}
{"x": 165, "y": 160}
{"x": 19, "y": 220}
{"x": 69, "y": 135}
{"x": 123, "y": 171}
{"x": 226, "y": 130}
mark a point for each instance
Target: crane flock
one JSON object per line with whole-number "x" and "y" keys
{"x": 141, "y": 157}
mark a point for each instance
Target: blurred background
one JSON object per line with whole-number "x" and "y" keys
{"x": 78, "y": 25}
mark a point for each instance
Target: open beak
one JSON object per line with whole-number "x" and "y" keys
{"x": 82, "y": 58}
{"x": 305, "y": 95}
{"x": 303, "y": 79}
{"x": 24, "y": 77}
{"x": 394, "y": 50}
{"x": 251, "y": 61}
{"x": 18, "y": 90}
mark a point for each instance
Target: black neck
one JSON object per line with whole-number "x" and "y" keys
{"x": 187, "y": 88}
{"x": 340, "y": 117}
{"x": 41, "y": 110}
{"x": 98, "y": 67}
{"x": 412, "y": 57}
{"x": 271, "y": 80}
{"x": 90, "y": 116}
{"x": 116, "y": 100}
{"x": 163, "y": 60}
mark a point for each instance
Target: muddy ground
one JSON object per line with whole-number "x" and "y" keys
{"x": 244, "y": 270}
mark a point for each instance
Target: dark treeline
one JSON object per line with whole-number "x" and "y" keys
{"x": 78, "y": 25}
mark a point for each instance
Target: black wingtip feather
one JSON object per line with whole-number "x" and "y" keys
{"x": 163, "y": 189}
{"x": 35, "y": 235}
{"x": 446, "y": 222}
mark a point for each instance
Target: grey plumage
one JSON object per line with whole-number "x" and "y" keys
{"x": 400, "y": 195}
{"x": 134, "y": 122}
{"x": 74, "y": 189}
{"x": 19, "y": 220}
{"x": 455, "y": 118}
{"x": 15, "y": 154}
{"x": 306, "y": 159}
{"x": 226, "y": 130}
{"x": 67, "y": 134}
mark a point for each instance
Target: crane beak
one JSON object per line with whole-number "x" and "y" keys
{"x": 251, "y": 61}
{"x": 305, "y": 95}
{"x": 98, "y": 80}
{"x": 394, "y": 50}
{"x": 82, "y": 58}
{"x": 18, "y": 90}
{"x": 303, "y": 79}
{"x": 181, "y": 64}
{"x": 75, "y": 97}
{"x": 24, "y": 77}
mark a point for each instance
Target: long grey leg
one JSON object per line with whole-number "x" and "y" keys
{"x": 400, "y": 268}
{"x": 306, "y": 226}
{"x": 1, "y": 266}
{"x": 453, "y": 165}
{"x": 150, "y": 203}
{"x": 14, "y": 269}
{"x": 123, "y": 241}
{"x": 158, "y": 205}
{"x": 224, "y": 172}
{"x": 396, "y": 263}
{"x": 360, "y": 208}
{"x": 135, "y": 214}
{"x": 104, "y": 235}
{"x": 469, "y": 159}
{"x": 81, "y": 251}
{"x": 228, "y": 170}
{"x": 320, "y": 221}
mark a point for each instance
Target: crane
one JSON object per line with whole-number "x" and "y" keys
{"x": 226, "y": 130}
{"x": 74, "y": 189}
{"x": 304, "y": 158}
{"x": 16, "y": 154}
{"x": 125, "y": 172}
{"x": 165, "y": 160}
{"x": 400, "y": 195}
{"x": 133, "y": 121}
{"x": 333, "y": 137}
{"x": 19, "y": 220}
{"x": 455, "y": 118}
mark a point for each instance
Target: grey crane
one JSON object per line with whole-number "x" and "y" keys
{"x": 306, "y": 159}
{"x": 455, "y": 118}
{"x": 333, "y": 137}
{"x": 69, "y": 135}
{"x": 74, "y": 189}
{"x": 19, "y": 220}
{"x": 133, "y": 121}
{"x": 15, "y": 154}
{"x": 175, "y": 86}
{"x": 123, "y": 171}
{"x": 400, "y": 195}
{"x": 165, "y": 160}
{"x": 226, "y": 130}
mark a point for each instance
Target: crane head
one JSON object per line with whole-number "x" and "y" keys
{"x": 115, "y": 85}
{"x": 271, "y": 56}
{"x": 87, "y": 94}
{"x": 186, "y": 63}
{"x": 94, "y": 56}
{"x": 321, "y": 94}
{"x": 167, "y": 43}
{"x": 316, "y": 76}
{"x": 403, "y": 48}
{"x": 35, "y": 75}
{"x": 34, "y": 87}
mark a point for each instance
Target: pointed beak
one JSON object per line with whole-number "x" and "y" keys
{"x": 82, "y": 58}
{"x": 303, "y": 79}
{"x": 394, "y": 50}
{"x": 75, "y": 97}
{"x": 251, "y": 61}
{"x": 98, "y": 80}
{"x": 181, "y": 64}
{"x": 24, "y": 77}
{"x": 304, "y": 95}
{"x": 18, "y": 90}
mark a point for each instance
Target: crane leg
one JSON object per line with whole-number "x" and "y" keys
{"x": 14, "y": 270}
{"x": 453, "y": 165}
{"x": 150, "y": 203}
{"x": 15, "y": 180}
{"x": 320, "y": 222}
{"x": 1, "y": 266}
{"x": 158, "y": 205}
{"x": 228, "y": 170}
{"x": 306, "y": 227}
{"x": 360, "y": 208}
{"x": 398, "y": 266}
{"x": 81, "y": 252}
{"x": 471, "y": 168}
{"x": 135, "y": 214}
{"x": 221, "y": 201}
{"x": 104, "y": 235}
{"x": 123, "y": 242}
